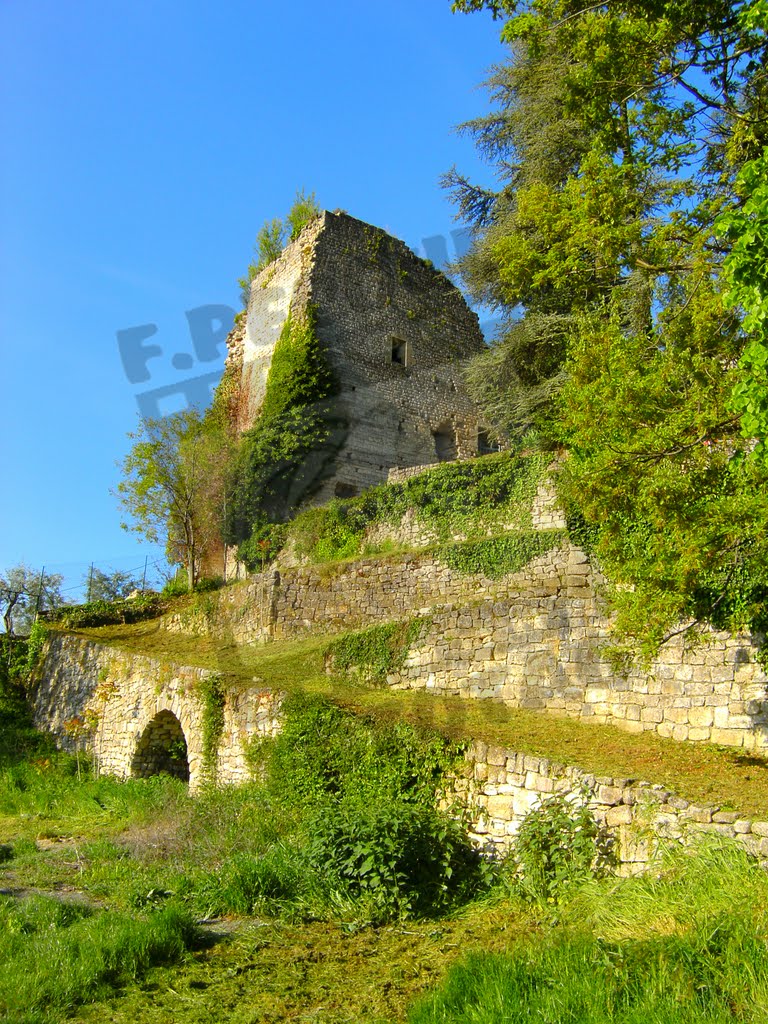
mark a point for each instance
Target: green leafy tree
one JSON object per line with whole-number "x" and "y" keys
{"x": 615, "y": 133}
{"x": 746, "y": 272}
{"x": 604, "y": 246}
{"x": 109, "y": 586}
{"x": 24, "y": 592}
{"x": 173, "y": 485}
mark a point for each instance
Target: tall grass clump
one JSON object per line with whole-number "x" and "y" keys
{"x": 683, "y": 946}
{"x": 58, "y": 955}
{"x": 48, "y": 789}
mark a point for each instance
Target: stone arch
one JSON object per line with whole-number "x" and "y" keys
{"x": 446, "y": 447}
{"x": 162, "y": 747}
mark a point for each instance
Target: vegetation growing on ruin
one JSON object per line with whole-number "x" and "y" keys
{"x": 273, "y": 236}
{"x": 285, "y": 455}
{"x": 105, "y": 613}
{"x": 212, "y": 695}
{"x": 465, "y": 498}
{"x": 376, "y": 651}
{"x": 286, "y": 452}
{"x": 495, "y": 557}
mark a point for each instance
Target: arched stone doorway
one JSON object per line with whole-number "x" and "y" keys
{"x": 162, "y": 747}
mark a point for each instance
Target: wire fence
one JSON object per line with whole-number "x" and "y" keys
{"x": 27, "y": 593}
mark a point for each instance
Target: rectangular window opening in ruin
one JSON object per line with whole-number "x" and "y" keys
{"x": 401, "y": 352}
{"x": 486, "y": 444}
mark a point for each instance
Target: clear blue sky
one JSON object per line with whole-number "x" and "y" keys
{"x": 143, "y": 145}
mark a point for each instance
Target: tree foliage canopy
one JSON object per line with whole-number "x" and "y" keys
{"x": 173, "y": 484}
{"x": 618, "y": 135}
{"x": 25, "y": 591}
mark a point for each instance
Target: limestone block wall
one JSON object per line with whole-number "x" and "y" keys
{"x": 534, "y": 639}
{"x": 134, "y": 696}
{"x": 296, "y": 601}
{"x": 130, "y": 703}
{"x": 543, "y": 650}
{"x": 504, "y": 786}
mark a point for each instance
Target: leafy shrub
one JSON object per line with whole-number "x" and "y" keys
{"x": 208, "y": 583}
{"x": 324, "y": 750}
{"x": 363, "y": 798}
{"x": 400, "y": 859}
{"x": 109, "y": 613}
{"x": 558, "y": 845}
{"x": 177, "y": 586}
{"x": 263, "y": 545}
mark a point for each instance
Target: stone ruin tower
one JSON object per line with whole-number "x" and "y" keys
{"x": 395, "y": 331}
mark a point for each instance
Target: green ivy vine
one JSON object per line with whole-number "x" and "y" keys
{"x": 287, "y": 451}
{"x": 212, "y": 696}
{"x": 377, "y": 651}
{"x": 499, "y": 556}
{"x": 469, "y": 497}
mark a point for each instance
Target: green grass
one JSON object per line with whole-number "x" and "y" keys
{"x": 56, "y": 955}
{"x": 683, "y": 948}
{"x": 699, "y": 772}
{"x": 144, "y": 858}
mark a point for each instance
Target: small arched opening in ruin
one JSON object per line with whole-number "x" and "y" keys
{"x": 445, "y": 442}
{"x": 162, "y": 747}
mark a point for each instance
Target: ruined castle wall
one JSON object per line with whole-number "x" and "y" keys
{"x": 127, "y": 694}
{"x": 504, "y": 786}
{"x": 545, "y": 650}
{"x": 370, "y": 294}
{"x": 534, "y": 639}
{"x": 371, "y": 291}
{"x": 279, "y": 288}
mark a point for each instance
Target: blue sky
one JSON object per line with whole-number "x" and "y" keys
{"x": 143, "y": 145}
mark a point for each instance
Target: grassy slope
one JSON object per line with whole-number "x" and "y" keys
{"x": 702, "y": 773}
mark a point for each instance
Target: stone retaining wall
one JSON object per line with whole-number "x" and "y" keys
{"x": 505, "y": 786}
{"x": 137, "y": 701}
{"x": 534, "y": 639}
{"x": 544, "y": 650}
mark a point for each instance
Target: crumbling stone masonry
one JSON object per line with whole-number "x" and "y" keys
{"x": 396, "y": 333}
{"x": 504, "y": 786}
{"x": 148, "y": 718}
